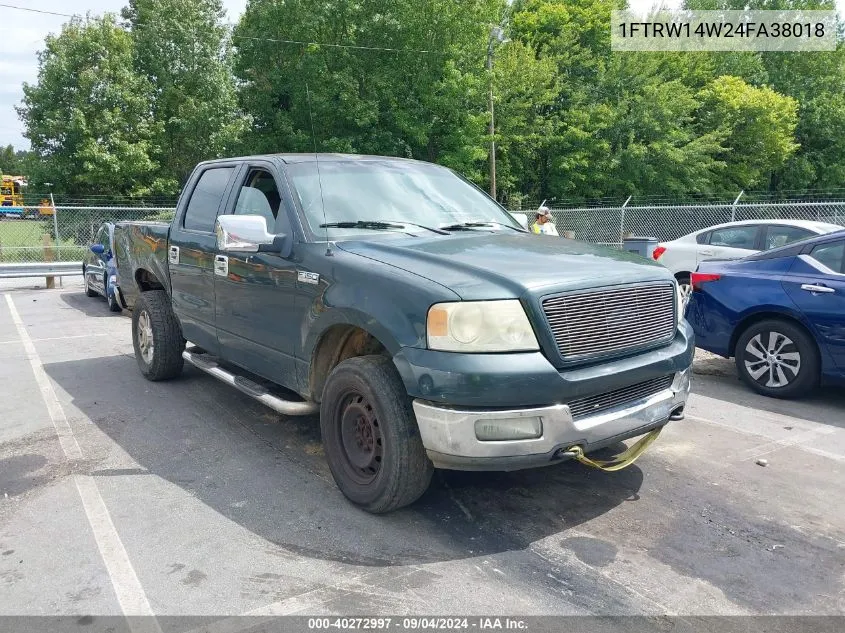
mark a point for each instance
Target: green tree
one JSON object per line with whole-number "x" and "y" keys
{"x": 88, "y": 116}
{"x": 425, "y": 99}
{"x": 758, "y": 124}
{"x": 181, "y": 48}
{"x": 11, "y": 162}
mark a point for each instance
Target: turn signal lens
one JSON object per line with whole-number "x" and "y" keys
{"x": 696, "y": 279}
{"x": 658, "y": 252}
{"x": 438, "y": 322}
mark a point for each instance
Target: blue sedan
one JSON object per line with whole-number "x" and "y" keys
{"x": 779, "y": 313}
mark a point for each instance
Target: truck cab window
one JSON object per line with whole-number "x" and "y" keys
{"x": 205, "y": 199}
{"x": 260, "y": 196}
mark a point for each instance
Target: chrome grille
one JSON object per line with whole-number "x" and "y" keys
{"x": 601, "y": 322}
{"x": 602, "y": 402}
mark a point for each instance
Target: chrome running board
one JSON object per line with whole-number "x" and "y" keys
{"x": 209, "y": 365}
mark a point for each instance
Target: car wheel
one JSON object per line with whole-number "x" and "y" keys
{"x": 777, "y": 358}
{"x": 89, "y": 292}
{"x": 157, "y": 337}
{"x": 114, "y": 304}
{"x": 685, "y": 287}
{"x": 371, "y": 437}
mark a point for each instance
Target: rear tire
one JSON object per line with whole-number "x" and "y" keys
{"x": 157, "y": 337}
{"x": 777, "y": 358}
{"x": 88, "y": 291}
{"x": 371, "y": 437}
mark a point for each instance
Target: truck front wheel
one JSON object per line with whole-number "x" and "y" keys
{"x": 157, "y": 337}
{"x": 371, "y": 437}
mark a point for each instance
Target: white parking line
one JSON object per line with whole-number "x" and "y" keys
{"x": 772, "y": 446}
{"x": 55, "y": 338}
{"x": 130, "y": 594}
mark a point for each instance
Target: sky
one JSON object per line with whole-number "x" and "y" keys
{"x": 22, "y": 34}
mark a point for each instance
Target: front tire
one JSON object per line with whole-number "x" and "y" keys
{"x": 111, "y": 296}
{"x": 114, "y": 304}
{"x": 777, "y": 358}
{"x": 157, "y": 337}
{"x": 371, "y": 437}
{"x": 685, "y": 288}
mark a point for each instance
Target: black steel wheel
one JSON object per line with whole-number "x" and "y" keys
{"x": 360, "y": 436}
{"x": 777, "y": 358}
{"x": 371, "y": 437}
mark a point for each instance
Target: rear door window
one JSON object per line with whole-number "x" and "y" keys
{"x": 831, "y": 255}
{"x": 778, "y": 235}
{"x": 206, "y": 198}
{"x": 735, "y": 237}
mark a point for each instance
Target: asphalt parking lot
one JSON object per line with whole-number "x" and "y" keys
{"x": 122, "y": 496}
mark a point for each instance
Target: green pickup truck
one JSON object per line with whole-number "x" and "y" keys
{"x": 425, "y": 326}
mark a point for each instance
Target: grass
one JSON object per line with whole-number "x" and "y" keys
{"x": 21, "y": 241}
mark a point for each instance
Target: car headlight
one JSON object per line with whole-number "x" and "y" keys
{"x": 480, "y": 326}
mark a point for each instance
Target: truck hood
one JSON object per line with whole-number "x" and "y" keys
{"x": 481, "y": 266}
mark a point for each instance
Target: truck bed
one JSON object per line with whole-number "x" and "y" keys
{"x": 141, "y": 247}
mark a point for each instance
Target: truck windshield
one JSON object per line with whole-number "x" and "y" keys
{"x": 392, "y": 192}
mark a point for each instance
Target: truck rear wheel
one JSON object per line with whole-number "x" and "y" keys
{"x": 157, "y": 337}
{"x": 371, "y": 437}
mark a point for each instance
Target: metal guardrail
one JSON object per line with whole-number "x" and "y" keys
{"x": 48, "y": 269}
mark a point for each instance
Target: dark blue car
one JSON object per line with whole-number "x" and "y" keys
{"x": 780, "y": 313}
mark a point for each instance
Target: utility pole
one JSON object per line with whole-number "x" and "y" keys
{"x": 497, "y": 34}
{"x": 492, "y": 128}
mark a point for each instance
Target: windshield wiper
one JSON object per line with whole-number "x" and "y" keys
{"x": 362, "y": 224}
{"x": 379, "y": 225}
{"x": 477, "y": 225}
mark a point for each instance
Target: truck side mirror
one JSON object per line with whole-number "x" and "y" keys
{"x": 249, "y": 234}
{"x": 98, "y": 249}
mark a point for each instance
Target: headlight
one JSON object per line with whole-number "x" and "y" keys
{"x": 480, "y": 326}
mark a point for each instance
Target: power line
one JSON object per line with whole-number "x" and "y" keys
{"x": 42, "y": 11}
{"x": 383, "y": 49}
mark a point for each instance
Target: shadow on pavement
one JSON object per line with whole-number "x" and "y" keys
{"x": 825, "y": 405}
{"x": 90, "y": 306}
{"x": 269, "y": 475}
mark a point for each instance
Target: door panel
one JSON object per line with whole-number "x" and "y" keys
{"x": 256, "y": 298}
{"x": 820, "y": 296}
{"x": 192, "y": 271}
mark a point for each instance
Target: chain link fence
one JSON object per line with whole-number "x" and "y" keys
{"x": 609, "y": 225}
{"x": 63, "y": 233}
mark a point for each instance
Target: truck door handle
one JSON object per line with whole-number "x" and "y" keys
{"x": 816, "y": 289}
{"x": 221, "y": 265}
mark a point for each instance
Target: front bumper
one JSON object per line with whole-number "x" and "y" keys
{"x": 449, "y": 433}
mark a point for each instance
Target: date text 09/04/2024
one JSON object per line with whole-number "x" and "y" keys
{"x": 418, "y": 623}
{"x": 722, "y": 29}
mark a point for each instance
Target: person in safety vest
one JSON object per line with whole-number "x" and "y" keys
{"x": 544, "y": 224}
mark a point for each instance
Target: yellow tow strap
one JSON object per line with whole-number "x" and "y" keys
{"x": 620, "y": 461}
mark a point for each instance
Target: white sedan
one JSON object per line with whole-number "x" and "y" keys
{"x": 733, "y": 240}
